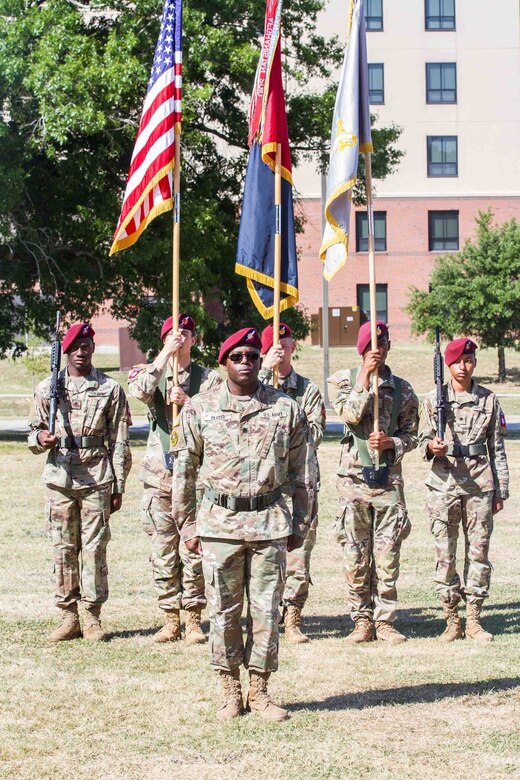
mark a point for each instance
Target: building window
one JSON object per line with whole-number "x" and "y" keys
{"x": 441, "y": 82}
{"x": 374, "y": 15}
{"x": 362, "y": 231}
{"x": 376, "y": 83}
{"x": 363, "y": 300}
{"x": 443, "y": 230}
{"x": 442, "y": 155}
{"x": 439, "y": 14}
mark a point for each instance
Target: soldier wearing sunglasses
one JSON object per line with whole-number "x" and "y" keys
{"x": 243, "y": 440}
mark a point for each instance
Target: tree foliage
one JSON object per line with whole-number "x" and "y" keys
{"x": 72, "y": 81}
{"x": 476, "y": 291}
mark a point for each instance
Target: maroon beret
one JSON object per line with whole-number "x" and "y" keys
{"x": 365, "y": 337}
{"x": 185, "y": 323}
{"x": 267, "y": 335}
{"x": 81, "y": 330}
{"x": 247, "y": 336}
{"x": 458, "y": 347}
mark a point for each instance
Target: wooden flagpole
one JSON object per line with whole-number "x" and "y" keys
{"x": 176, "y": 253}
{"x": 277, "y": 251}
{"x": 372, "y": 283}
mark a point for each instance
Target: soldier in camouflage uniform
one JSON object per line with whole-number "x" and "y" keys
{"x": 468, "y": 484}
{"x": 309, "y": 397}
{"x": 372, "y": 520}
{"x": 177, "y": 572}
{"x": 243, "y": 440}
{"x": 87, "y": 465}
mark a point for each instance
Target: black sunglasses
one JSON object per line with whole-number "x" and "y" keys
{"x": 237, "y": 357}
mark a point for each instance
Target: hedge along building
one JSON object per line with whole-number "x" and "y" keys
{"x": 448, "y": 73}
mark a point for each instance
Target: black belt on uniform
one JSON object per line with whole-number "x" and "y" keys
{"x": 466, "y": 450}
{"x": 81, "y": 442}
{"x": 242, "y": 503}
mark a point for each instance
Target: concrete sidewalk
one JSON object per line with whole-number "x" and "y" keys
{"x": 17, "y": 428}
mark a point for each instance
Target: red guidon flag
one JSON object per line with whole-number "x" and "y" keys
{"x": 258, "y": 221}
{"x": 149, "y": 187}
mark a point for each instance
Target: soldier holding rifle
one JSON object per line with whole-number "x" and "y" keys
{"x": 372, "y": 520}
{"x": 80, "y": 418}
{"x": 462, "y": 435}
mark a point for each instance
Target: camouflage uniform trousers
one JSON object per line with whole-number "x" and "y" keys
{"x": 78, "y": 527}
{"x": 371, "y": 524}
{"x": 447, "y": 513}
{"x": 232, "y": 567}
{"x": 177, "y": 573}
{"x": 298, "y": 567}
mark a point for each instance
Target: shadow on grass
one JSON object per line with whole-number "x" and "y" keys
{"x": 145, "y": 632}
{"x": 512, "y": 377}
{"x": 417, "y": 622}
{"x": 428, "y": 693}
{"x": 132, "y": 632}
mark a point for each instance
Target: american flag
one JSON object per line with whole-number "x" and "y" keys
{"x": 149, "y": 187}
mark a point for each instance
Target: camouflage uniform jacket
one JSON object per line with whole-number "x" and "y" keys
{"x": 142, "y": 384}
{"x": 474, "y": 417}
{"x": 354, "y": 404}
{"x": 311, "y": 403}
{"x": 97, "y": 407}
{"x": 242, "y": 448}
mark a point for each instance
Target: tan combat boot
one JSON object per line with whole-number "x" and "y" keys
{"x": 292, "y": 620}
{"x": 232, "y": 705}
{"x": 473, "y": 628}
{"x": 69, "y": 627}
{"x": 453, "y": 628}
{"x": 387, "y": 633}
{"x": 171, "y": 631}
{"x": 363, "y": 631}
{"x": 258, "y": 699}
{"x": 194, "y": 635}
{"x": 92, "y": 630}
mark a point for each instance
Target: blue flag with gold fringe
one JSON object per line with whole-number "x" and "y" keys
{"x": 267, "y": 128}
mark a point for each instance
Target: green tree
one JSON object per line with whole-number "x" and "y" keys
{"x": 476, "y": 291}
{"x": 72, "y": 81}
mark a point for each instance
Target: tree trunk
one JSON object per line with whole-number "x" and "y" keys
{"x": 501, "y": 364}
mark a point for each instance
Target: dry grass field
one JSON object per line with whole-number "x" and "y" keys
{"x": 412, "y": 361}
{"x": 132, "y": 710}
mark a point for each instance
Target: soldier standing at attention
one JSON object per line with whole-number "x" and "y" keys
{"x": 372, "y": 520}
{"x": 177, "y": 572}
{"x": 467, "y": 485}
{"x": 309, "y": 397}
{"x": 243, "y": 440}
{"x": 87, "y": 465}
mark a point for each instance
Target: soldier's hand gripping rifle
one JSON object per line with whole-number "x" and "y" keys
{"x": 438, "y": 373}
{"x": 55, "y": 372}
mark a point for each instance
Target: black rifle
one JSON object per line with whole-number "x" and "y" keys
{"x": 438, "y": 373}
{"x": 55, "y": 372}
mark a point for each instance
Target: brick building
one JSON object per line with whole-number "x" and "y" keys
{"x": 448, "y": 73}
